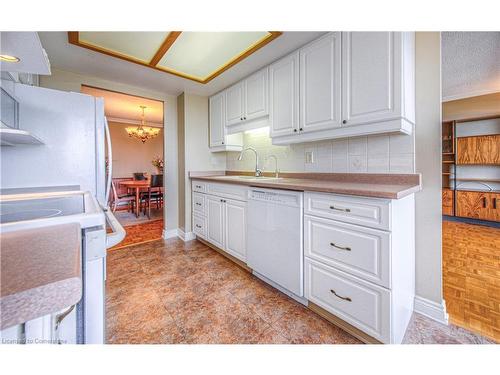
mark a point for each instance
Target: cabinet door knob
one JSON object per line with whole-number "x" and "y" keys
{"x": 301, "y": 129}
{"x": 295, "y": 130}
{"x": 244, "y": 118}
{"x": 222, "y": 142}
{"x": 241, "y": 118}
{"x": 344, "y": 122}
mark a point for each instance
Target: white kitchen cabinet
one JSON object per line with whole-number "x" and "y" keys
{"x": 247, "y": 103}
{"x": 284, "y": 96}
{"x": 215, "y": 221}
{"x": 235, "y": 213}
{"x": 350, "y": 84}
{"x": 235, "y": 104}
{"x": 377, "y": 77}
{"x": 219, "y": 141}
{"x": 320, "y": 84}
{"x": 362, "y": 275}
{"x": 256, "y": 95}
{"x": 220, "y": 215}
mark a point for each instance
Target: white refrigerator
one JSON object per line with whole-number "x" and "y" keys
{"x": 75, "y": 143}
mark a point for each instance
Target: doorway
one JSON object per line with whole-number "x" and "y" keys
{"x": 137, "y": 139}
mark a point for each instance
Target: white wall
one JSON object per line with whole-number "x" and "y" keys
{"x": 196, "y": 148}
{"x": 131, "y": 155}
{"x": 428, "y": 163}
{"x": 393, "y": 153}
{"x": 69, "y": 81}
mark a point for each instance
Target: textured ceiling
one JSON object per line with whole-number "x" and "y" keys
{"x": 471, "y": 63}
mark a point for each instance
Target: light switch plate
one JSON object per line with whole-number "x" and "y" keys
{"x": 309, "y": 157}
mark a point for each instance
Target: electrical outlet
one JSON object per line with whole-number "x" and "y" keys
{"x": 309, "y": 157}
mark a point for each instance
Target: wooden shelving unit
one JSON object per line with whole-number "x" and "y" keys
{"x": 472, "y": 150}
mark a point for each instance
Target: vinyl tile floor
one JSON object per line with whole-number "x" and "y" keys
{"x": 141, "y": 233}
{"x": 174, "y": 292}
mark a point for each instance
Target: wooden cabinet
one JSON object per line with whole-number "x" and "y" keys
{"x": 478, "y": 205}
{"x": 248, "y": 100}
{"x": 483, "y": 150}
{"x": 219, "y": 141}
{"x": 320, "y": 84}
{"x": 447, "y": 202}
{"x": 284, "y": 96}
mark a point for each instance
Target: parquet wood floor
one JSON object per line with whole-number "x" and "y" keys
{"x": 141, "y": 233}
{"x": 471, "y": 277}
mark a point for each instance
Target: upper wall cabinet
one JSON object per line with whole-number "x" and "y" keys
{"x": 320, "y": 84}
{"x": 284, "y": 96}
{"x": 247, "y": 103}
{"x": 373, "y": 80}
{"x": 219, "y": 141}
{"x": 350, "y": 84}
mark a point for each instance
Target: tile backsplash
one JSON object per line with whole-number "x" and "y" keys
{"x": 387, "y": 153}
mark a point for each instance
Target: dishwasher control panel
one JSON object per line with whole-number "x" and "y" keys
{"x": 291, "y": 198}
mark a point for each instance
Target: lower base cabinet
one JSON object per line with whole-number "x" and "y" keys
{"x": 219, "y": 220}
{"x": 478, "y": 205}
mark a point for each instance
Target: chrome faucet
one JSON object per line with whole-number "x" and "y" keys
{"x": 258, "y": 172}
{"x": 276, "y": 171}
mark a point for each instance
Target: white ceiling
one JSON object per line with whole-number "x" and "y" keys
{"x": 120, "y": 107}
{"x": 470, "y": 63}
{"x": 65, "y": 56}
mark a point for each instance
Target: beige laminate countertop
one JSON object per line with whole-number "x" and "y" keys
{"x": 390, "y": 186}
{"x": 40, "y": 272}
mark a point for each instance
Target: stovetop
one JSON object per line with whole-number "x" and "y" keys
{"x": 31, "y": 209}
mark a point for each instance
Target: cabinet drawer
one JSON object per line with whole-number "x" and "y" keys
{"x": 200, "y": 225}
{"x": 229, "y": 191}
{"x": 199, "y": 205}
{"x": 369, "y": 212}
{"x": 360, "y": 251}
{"x": 199, "y": 186}
{"x": 360, "y": 303}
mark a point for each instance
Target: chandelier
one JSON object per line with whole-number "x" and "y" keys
{"x": 141, "y": 132}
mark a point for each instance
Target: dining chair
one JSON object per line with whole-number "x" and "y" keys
{"x": 154, "y": 193}
{"x": 139, "y": 176}
{"x": 120, "y": 198}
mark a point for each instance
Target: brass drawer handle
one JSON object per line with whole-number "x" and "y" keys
{"x": 340, "y": 247}
{"x": 340, "y": 209}
{"x": 344, "y": 298}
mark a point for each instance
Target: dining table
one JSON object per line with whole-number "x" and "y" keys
{"x": 137, "y": 185}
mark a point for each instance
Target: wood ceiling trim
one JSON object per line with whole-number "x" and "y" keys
{"x": 74, "y": 38}
{"x": 169, "y": 40}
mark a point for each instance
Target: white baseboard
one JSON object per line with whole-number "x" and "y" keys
{"x": 431, "y": 309}
{"x": 170, "y": 233}
{"x": 185, "y": 236}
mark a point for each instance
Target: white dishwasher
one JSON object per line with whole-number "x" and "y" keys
{"x": 274, "y": 237}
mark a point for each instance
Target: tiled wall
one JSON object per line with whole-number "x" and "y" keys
{"x": 393, "y": 153}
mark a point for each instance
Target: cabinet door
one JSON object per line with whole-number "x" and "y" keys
{"x": 284, "y": 96}
{"x": 320, "y": 84}
{"x": 217, "y": 120}
{"x": 473, "y": 204}
{"x": 215, "y": 218}
{"x": 235, "y": 104}
{"x": 447, "y": 202}
{"x": 483, "y": 150}
{"x": 235, "y": 214}
{"x": 371, "y": 77}
{"x": 256, "y": 100}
